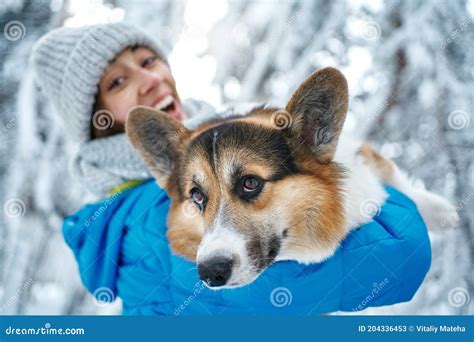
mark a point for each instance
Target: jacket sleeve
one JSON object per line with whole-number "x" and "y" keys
{"x": 392, "y": 257}
{"x": 121, "y": 250}
{"x": 95, "y": 239}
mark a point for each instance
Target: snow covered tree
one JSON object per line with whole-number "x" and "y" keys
{"x": 410, "y": 73}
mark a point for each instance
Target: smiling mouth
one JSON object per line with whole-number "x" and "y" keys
{"x": 171, "y": 106}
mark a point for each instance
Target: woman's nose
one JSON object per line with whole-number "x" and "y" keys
{"x": 149, "y": 81}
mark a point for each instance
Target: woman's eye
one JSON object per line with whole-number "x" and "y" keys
{"x": 251, "y": 184}
{"x": 149, "y": 61}
{"x": 116, "y": 82}
{"x": 198, "y": 197}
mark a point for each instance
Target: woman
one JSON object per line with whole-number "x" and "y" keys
{"x": 93, "y": 76}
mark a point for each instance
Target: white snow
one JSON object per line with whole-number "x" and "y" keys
{"x": 232, "y": 52}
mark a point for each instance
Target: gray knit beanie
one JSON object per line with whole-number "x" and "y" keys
{"x": 69, "y": 63}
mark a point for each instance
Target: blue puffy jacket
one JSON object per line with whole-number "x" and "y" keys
{"x": 122, "y": 250}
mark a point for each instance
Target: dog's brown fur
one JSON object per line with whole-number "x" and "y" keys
{"x": 311, "y": 183}
{"x": 316, "y": 181}
{"x": 381, "y": 165}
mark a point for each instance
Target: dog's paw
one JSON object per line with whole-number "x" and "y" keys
{"x": 436, "y": 211}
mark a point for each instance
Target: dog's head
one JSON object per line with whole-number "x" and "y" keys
{"x": 251, "y": 189}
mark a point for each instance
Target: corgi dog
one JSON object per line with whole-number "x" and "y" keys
{"x": 274, "y": 184}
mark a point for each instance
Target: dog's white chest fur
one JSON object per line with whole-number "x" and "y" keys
{"x": 363, "y": 192}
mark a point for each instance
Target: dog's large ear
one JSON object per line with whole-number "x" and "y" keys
{"x": 318, "y": 109}
{"x": 158, "y": 138}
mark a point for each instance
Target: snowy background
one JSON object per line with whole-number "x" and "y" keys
{"x": 410, "y": 67}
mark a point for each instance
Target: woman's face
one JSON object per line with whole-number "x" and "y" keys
{"x": 137, "y": 76}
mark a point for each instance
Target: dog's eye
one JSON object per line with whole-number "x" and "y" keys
{"x": 251, "y": 184}
{"x": 249, "y": 187}
{"x": 198, "y": 197}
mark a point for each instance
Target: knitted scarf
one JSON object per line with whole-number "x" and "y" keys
{"x": 101, "y": 165}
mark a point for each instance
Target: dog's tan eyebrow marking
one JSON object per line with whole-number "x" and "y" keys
{"x": 198, "y": 179}
{"x": 196, "y": 182}
{"x": 191, "y": 175}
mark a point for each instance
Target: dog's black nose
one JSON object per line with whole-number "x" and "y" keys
{"x": 215, "y": 271}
